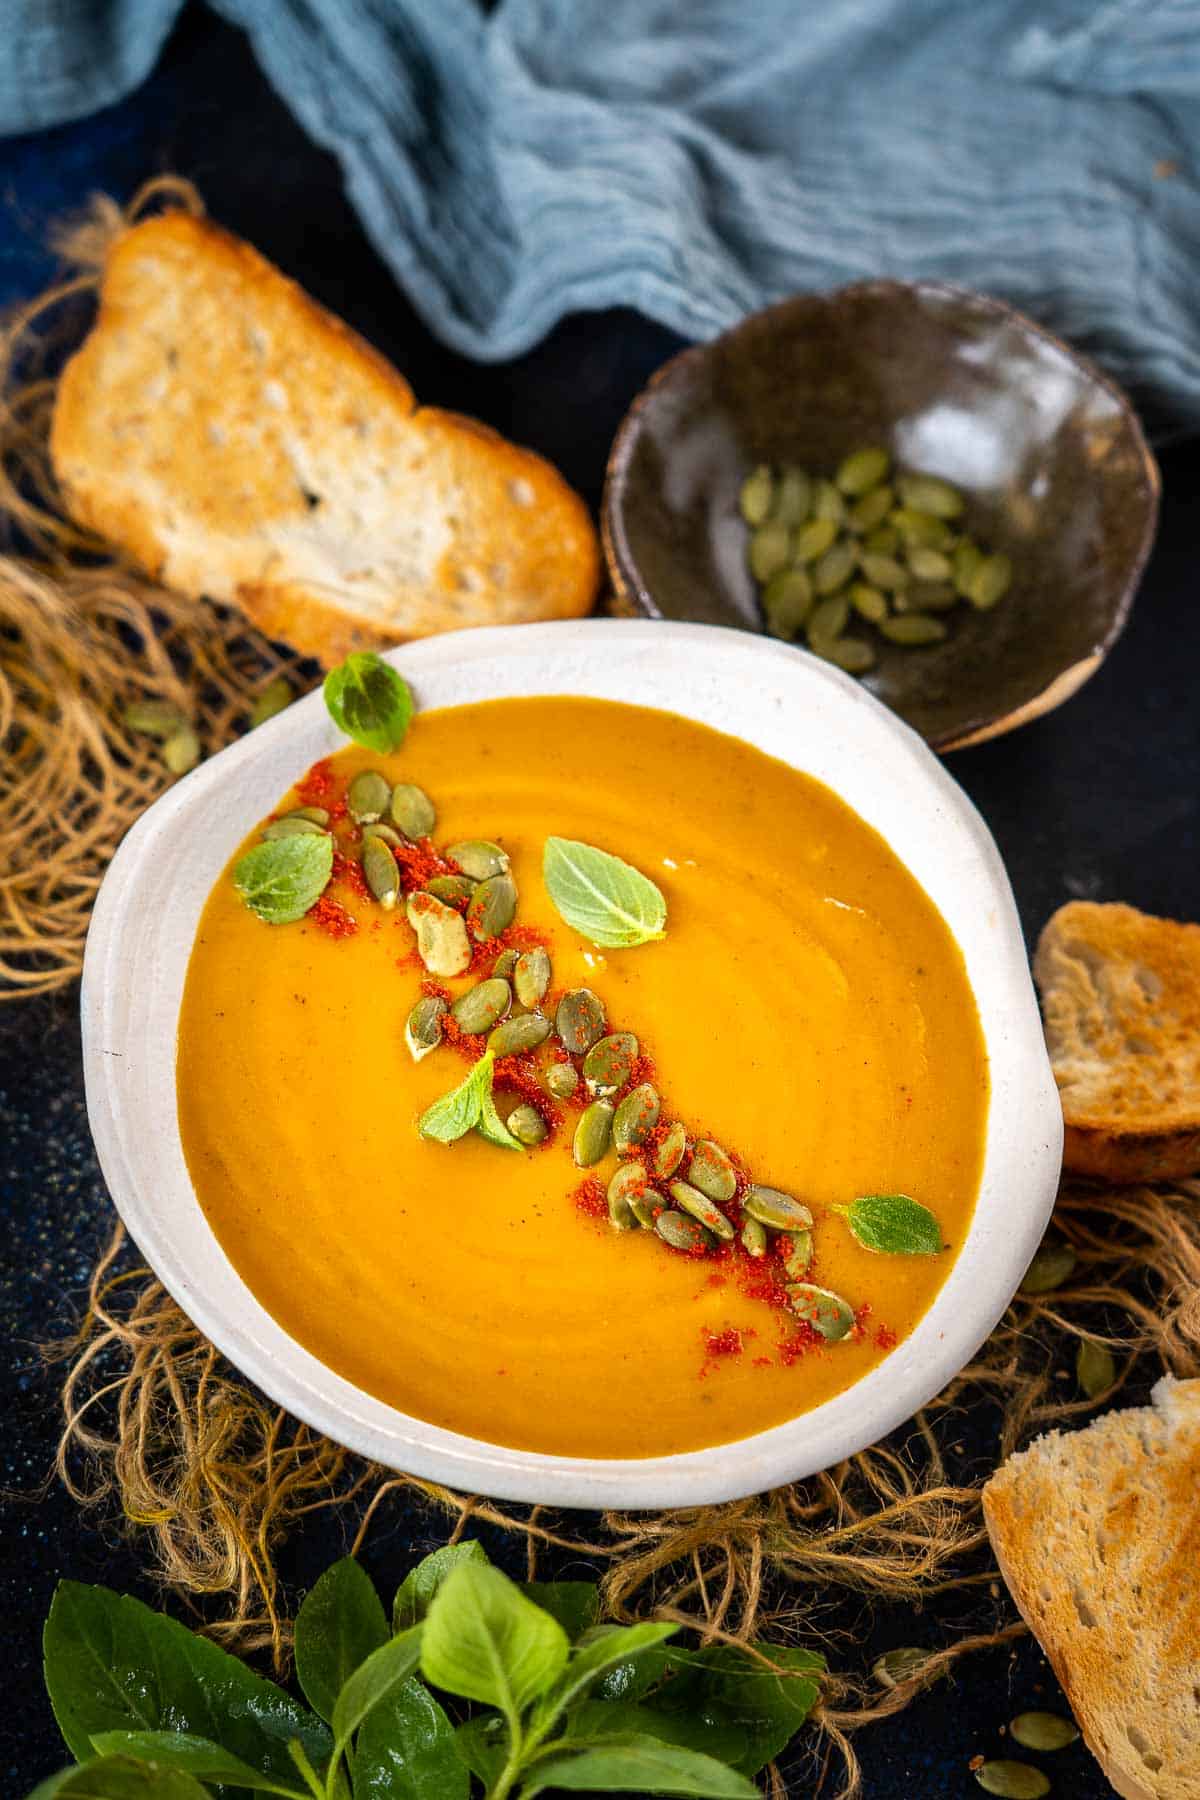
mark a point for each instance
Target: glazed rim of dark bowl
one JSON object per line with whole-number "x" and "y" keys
{"x": 634, "y": 597}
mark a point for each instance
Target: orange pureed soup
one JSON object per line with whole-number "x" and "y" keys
{"x": 807, "y": 1009}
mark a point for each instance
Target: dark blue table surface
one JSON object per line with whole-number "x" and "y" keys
{"x": 1099, "y": 800}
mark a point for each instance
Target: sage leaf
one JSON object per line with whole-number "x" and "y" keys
{"x": 372, "y": 1682}
{"x": 416, "y": 1591}
{"x": 193, "y": 1755}
{"x": 338, "y": 1626}
{"x": 111, "y": 1664}
{"x": 894, "y": 1225}
{"x": 280, "y": 880}
{"x": 370, "y": 701}
{"x": 406, "y": 1750}
{"x": 575, "y": 1604}
{"x": 485, "y": 1641}
{"x": 491, "y": 1126}
{"x": 119, "y": 1778}
{"x": 640, "y": 1766}
{"x": 459, "y": 1111}
{"x": 604, "y": 899}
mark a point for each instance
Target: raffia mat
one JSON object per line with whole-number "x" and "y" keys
{"x": 161, "y": 1432}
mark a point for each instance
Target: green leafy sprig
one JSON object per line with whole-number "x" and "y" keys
{"x": 370, "y": 701}
{"x": 605, "y": 900}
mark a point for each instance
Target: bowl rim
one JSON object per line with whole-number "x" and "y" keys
{"x": 141, "y": 936}
{"x": 634, "y": 597}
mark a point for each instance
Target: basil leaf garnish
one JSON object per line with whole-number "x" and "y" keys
{"x": 606, "y": 900}
{"x": 280, "y": 880}
{"x": 370, "y": 701}
{"x": 894, "y": 1225}
{"x": 459, "y": 1111}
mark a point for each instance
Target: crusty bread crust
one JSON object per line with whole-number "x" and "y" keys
{"x": 1121, "y": 1000}
{"x": 1097, "y": 1534}
{"x": 235, "y": 439}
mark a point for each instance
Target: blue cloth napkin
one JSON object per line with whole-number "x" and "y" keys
{"x": 698, "y": 158}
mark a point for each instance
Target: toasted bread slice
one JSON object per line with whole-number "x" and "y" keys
{"x": 1097, "y": 1534}
{"x": 234, "y": 439}
{"x": 1121, "y": 1000}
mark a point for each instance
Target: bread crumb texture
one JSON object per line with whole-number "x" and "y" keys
{"x": 1097, "y": 1534}
{"x": 1121, "y": 1002}
{"x": 235, "y": 439}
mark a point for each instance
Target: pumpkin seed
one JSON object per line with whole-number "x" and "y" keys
{"x": 834, "y": 569}
{"x": 644, "y": 1204}
{"x": 527, "y": 1125}
{"x": 757, "y": 495}
{"x": 1043, "y": 1731}
{"x": 181, "y": 751}
{"x": 592, "y": 1133}
{"x": 291, "y": 826}
{"x": 479, "y": 858}
{"x": 425, "y": 1026}
{"x": 928, "y": 596}
{"x": 317, "y": 814}
{"x": 793, "y": 497}
{"x": 883, "y": 571}
{"x": 609, "y": 1063}
{"x": 628, "y": 1184}
{"x": 990, "y": 582}
{"x": 635, "y": 1118}
{"x": 1049, "y": 1269}
{"x": 1012, "y": 1780}
{"x": 776, "y": 1210}
{"x": 828, "y": 503}
{"x": 386, "y": 835}
{"x": 505, "y": 964}
{"x": 1095, "y": 1368}
{"x": 711, "y": 1171}
{"x": 492, "y": 907}
{"x": 813, "y": 540}
{"x": 367, "y": 796}
{"x": 827, "y": 1313}
{"x": 681, "y": 1232}
{"x": 796, "y": 1249}
{"x": 520, "y": 1034}
{"x": 453, "y": 889}
{"x": 531, "y": 976}
{"x": 900, "y": 1665}
{"x": 828, "y": 620}
{"x": 482, "y": 1006}
{"x": 929, "y": 494}
{"x": 692, "y": 1201}
{"x": 442, "y": 942}
{"x": 867, "y": 514}
{"x": 854, "y": 655}
{"x": 787, "y": 601}
{"x": 770, "y": 547}
{"x": 913, "y": 628}
{"x": 155, "y": 718}
{"x": 868, "y": 602}
{"x": 562, "y": 1078}
{"x": 967, "y": 558}
{"x": 413, "y": 810}
{"x": 579, "y": 1020}
{"x": 754, "y": 1238}
{"x": 275, "y": 698}
{"x": 929, "y": 565}
{"x": 862, "y": 470}
{"x": 383, "y": 877}
{"x": 668, "y": 1153}
{"x": 920, "y": 528}
{"x": 883, "y": 542}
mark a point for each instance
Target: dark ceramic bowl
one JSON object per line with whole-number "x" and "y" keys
{"x": 1048, "y": 452}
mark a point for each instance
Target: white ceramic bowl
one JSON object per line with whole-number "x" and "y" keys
{"x": 779, "y": 699}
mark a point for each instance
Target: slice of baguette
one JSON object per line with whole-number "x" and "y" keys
{"x": 1097, "y": 1534}
{"x": 235, "y": 439}
{"x": 1121, "y": 1000}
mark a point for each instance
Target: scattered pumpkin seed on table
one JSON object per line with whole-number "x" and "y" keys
{"x": 1012, "y": 1780}
{"x": 1043, "y": 1731}
{"x": 1051, "y": 1266}
{"x": 1095, "y": 1368}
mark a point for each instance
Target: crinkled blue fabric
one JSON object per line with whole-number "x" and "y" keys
{"x": 699, "y": 158}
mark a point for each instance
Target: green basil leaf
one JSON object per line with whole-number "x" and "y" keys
{"x": 640, "y": 1766}
{"x": 372, "y": 1682}
{"x": 459, "y": 1111}
{"x": 491, "y": 1126}
{"x": 632, "y": 1679}
{"x": 119, "y": 1778}
{"x": 196, "y": 1756}
{"x": 406, "y": 1750}
{"x": 483, "y": 1746}
{"x": 486, "y": 1641}
{"x": 112, "y": 1664}
{"x": 731, "y": 1691}
{"x": 600, "y": 1652}
{"x": 338, "y": 1626}
{"x": 894, "y": 1224}
{"x": 575, "y": 1604}
{"x": 279, "y": 881}
{"x": 416, "y": 1591}
{"x": 598, "y": 1720}
{"x": 370, "y": 701}
{"x": 602, "y": 898}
